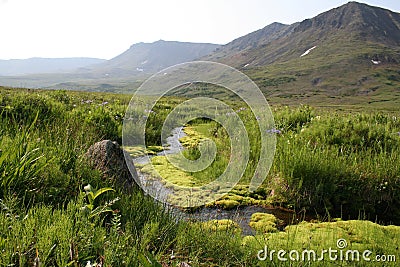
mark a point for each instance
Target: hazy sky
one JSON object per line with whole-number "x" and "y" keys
{"x": 106, "y": 28}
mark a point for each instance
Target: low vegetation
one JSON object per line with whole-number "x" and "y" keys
{"x": 329, "y": 164}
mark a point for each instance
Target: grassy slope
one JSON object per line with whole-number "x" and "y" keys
{"x": 322, "y": 158}
{"x": 61, "y": 236}
{"x": 334, "y": 75}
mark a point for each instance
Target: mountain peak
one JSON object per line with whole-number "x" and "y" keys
{"x": 349, "y": 24}
{"x": 155, "y": 56}
{"x": 367, "y": 23}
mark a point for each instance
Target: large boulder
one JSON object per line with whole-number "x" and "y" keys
{"x": 109, "y": 158}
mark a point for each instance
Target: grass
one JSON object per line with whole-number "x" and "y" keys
{"x": 345, "y": 78}
{"x": 334, "y": 164}
{"x": 323, "y": 160}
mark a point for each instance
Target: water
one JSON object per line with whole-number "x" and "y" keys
{"x": 240, "y": 215}
{"x": 174, "y": 146}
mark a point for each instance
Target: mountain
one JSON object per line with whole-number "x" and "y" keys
{"x": 153, "y": 57}
{"x": 352, "y": 51}
{"x": 352, "y": 22}
{"x": 44, "y": 65}
{"x": 118, "y": 74}
{"x": 233, "y": 51}
{"x": 349, "y": 54}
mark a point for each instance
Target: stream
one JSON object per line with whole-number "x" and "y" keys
{"x": 154, "y": 186}
{"x": 240, "y": 215}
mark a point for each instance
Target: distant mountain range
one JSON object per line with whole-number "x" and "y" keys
{"x": 141, "y": 57}
{"x": 117, "y": 74}
{"x": 352, "y": 51}
{"x": 153, "y": 57}
{"x": 14, "y": 67}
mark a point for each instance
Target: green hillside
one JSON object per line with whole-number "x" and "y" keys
{"x": 353, "y": 58}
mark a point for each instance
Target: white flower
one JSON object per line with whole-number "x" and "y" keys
{"x": 88, "y": 188}
{"x": 89, "y": 264}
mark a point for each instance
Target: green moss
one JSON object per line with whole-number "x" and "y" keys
{"x": 170, "y": 173}
{"x": 241, "y": 190}
{"x": 192, "y": 137}
{"x": 222, "y": 225}
{"x": 233, "y": 197}
{"x": 139, "y": 151}
{"x": 155, "y": 149}
{"x": 263, "y": 222}
{"x": 227, "y": 203}
{"x": 359, "y": 235}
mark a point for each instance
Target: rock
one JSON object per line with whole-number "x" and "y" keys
{"x": 109, "y": 158}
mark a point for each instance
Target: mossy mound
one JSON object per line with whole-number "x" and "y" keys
{"x": 168, "y": 172}
{"x": 140, "y": 151}
{"x": 264, "y": 222}
{"x": 222, "y": 225}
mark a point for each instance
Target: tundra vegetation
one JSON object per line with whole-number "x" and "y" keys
{"x": 340, "y": 167}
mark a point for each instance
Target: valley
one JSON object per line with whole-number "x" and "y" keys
{"x": 332, "y": 83}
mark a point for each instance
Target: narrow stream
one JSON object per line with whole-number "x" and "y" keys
{"x": 240, "y": 215}
{"x": 174, "y": 146}
{"x": 154, "y": 186}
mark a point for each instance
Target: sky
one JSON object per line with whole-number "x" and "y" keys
{"x": 106, "y": 28}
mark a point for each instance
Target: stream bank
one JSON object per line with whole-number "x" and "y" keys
{"x": 241, "y": 215}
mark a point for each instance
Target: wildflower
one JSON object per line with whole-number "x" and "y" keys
{"x": 274, "y": 131}
{"x": 87, "y": 188}
{"x": 104, "y": 103}
{"x": 89, "y": 264}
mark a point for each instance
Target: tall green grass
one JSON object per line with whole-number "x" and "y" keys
{"x": 342, "y": 164}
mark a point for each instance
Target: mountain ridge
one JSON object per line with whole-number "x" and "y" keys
{"x": 153, "y": 57}
{"x": 345, "y": 55}
{"x": 34, "y": 65}
{"x": 350, "y": 21}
